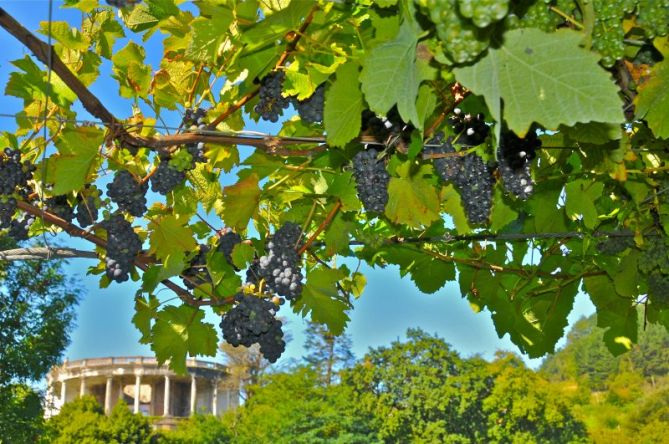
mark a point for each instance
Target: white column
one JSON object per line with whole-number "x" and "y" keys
{"x": 138, "y": 383}
{"x": 214, "y": 399}
{"x": 82, "y": 387}
{"x": 63, "y": 392}
{"x": 193, "y": 394}
{"x": 108, "y": 395}
{"x": 166, "y": 398}
{"x": 227, "y": 399}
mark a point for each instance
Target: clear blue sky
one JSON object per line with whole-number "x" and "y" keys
{"x": 388, "y": 307}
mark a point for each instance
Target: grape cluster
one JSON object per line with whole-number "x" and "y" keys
{"x": 196, "y": 274}
{"x": 311, "y": 109}
{"x": 471, "y": 130}
{"x": 272, "y": 103}
{"x": 653, "y": 17}
{"x": 533, "y": 14}
{"x": 253, "y": 320}
{"x": 122, "y": 3}
{"x": 654, "y": 263}
{"x": 514, "y": 156}
{"x": 87, "y": 211}
{"x": 371, "y": 180}
{"x": 470, "y": 175}
{"x": 166, "y": 178}
{"x": 386, "y": 129}
{"x": 123, "y": 245}
{"x": 615, "y": 245}
{"x": 658, "y": 288}
{"x": 7, "y": 210}
{"x": 253, "y": 273}
{"x": 194, "y": 119}
{"x": 227, "y": 242}
{"x": 464, "y": 40}
{"x": 59, "y": 206}
{"x": 608, "y": 33}
{"x": 281, "y": 266}
{"x": 14, "y": 175}
{"x": 18, "y": 229}
{"x": 127, "y": 193}
{"x": 483, "y": 12}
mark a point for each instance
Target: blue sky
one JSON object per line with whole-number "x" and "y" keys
{"x": 388, "y": 307}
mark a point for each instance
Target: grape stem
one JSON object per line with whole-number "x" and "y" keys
{"x": 321, "y": 227}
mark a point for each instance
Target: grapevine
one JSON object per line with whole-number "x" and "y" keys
{"x": 272, "y": 103}
{"x": 281, "y": 267}
{"x": 127, "y": 193}
{"x": 311, "y": 109}
{"x": 123, "y": 245}
{"x": 371, "y": 180}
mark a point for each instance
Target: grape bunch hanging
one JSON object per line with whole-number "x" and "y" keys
{"x": 14, "y": 178}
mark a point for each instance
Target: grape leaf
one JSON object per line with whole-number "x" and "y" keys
{"x": 170, "y": 237}
{"x": 76, "y": 159}
{"x": 65, "y": 35}
{"x": 652, "y": 102}
{"x": 501, "y": 214}
{"x": 412, "y": 200}
{"x": 320, "y": 297}
{"x": 178, "y": 332}
{"x": 241, "y": 202}
{"x": 543, "y": 78}
{"x": 207, "y": 36}
{"x": 343, "y": 106}
{"x": 242, "y": 255}
{"x": 614, "y": 313}
{"x": 390, "y": 76}
{"x": 134, "y": 77}
{"x": 145, "y": 312}
{"x": 429, "y": 273}
{"x": 581, "y": 197}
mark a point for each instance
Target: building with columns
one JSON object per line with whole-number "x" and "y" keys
{"x": 144, "y": 385}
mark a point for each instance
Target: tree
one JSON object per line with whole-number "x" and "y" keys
{"x": 534, "y": 126}
{"x": 198, "y": 429}
{"x": 327, "y": 353}
{"x": 37, "y": 312}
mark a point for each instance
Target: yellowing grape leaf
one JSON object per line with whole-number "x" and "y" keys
{"x": 77, "y": 158}
{"x": 241, "y": 202}
{"x": 652, "y": 103}
{"x": 343, "y": 106}
{"x": 543, "y": 78}
{"x": 178, "y": 332}
{"x": 412, "y": 201}
{"x": 169, "y": 236}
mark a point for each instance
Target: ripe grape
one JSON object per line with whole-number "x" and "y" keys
{"x": 514, "y": 156}
{"x": 123, "y": 245}
{"x": 371, "y": 180}
{"x": 252, "y": 320}
{"x": 7, "y": 209}
{"x": 471, "y": 130}
{"x": 87, "y": 211}
{"x": 18, "y": 229}
{"x": 272, "y": 103}
{"x": 311, "y": 109}
{"x": 127, "y": 193}
{"x": 197, "y": 274}
{"x": 281, "y": 266}
{"x": 59, "y": 206}
{"x": 194, "y": 119}
{"x": 14, "y": 175}
{"x": 227, "y": 242}
{"x": 123, "y": 3}
{"x": 166, "y": 178}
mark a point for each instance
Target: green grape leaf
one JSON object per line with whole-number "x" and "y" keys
{"x": 145, "y": 313}
{"x": 390, "y": 76}
{"x": 321, "y": 299}
{"x": 241, "y": 202}
{"x": 133, "y": 75}
{"x": 170, "y": 237}
{"x": 337, "y": 236}
{"x": 543, "y": 78}
{"x": 581, "y": 197}
{"x": 342, "y": 186}
{"x": 428, "y": 272}
{"x": 501, "y": 214}
{"x": 208, "y": 36}
{"x": 343, "y": 106}
{"x": 207, "y": 187}
{"x": 454, "y": 208}
{"x": 412, "y": 200}
{"x": 179, "y": 332}
{"x": 385, "y": 3}
{"x": 65, "y": 34}
{"x": 652, "y": 102}
{"x": 614, "y": 313}
{"x": 242, "y": 255}
{"x": 77, "y": 158}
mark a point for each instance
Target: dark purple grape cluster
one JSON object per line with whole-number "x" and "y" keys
{"x": 371, "y": 180}
{"x": 470, "y": 175}
{"x": 281, "y": 267}
{"x": 14, "y": 175}
{"x": 311, "y": 109}
{"x": 389, "y": 129}
{"x": 122, "y": 3}
{"x": 59, "y": 206}
{"x": 253, "y": 273}
{"x": 123, "y": 245}
{"x": 616, "y": 244}
{"x": 166, "y": 178}
{"x": 18, "y": 229}
{"x": 253, "y": 321}
{"x": 194, "y": 120}
{"x": 87, "y": 210}
{"x": 127, "y": 193}
{"x": 227, "y": 242}
{"x": 197, "y": 274}
{"x": 470, "y": 130}
{"x": 514, "y": 157}
{"x": 272, "y": 103}
{"x": 7, "y": 210}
